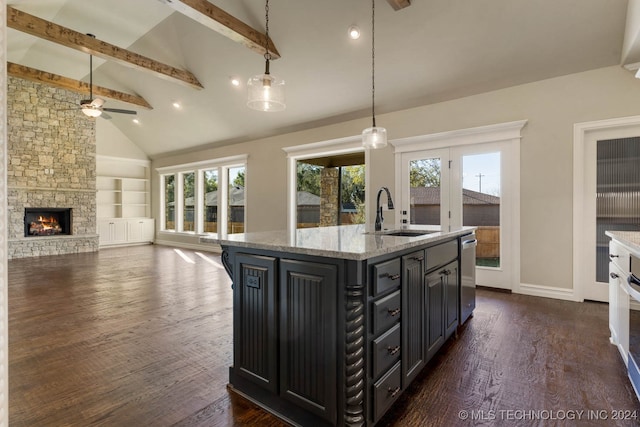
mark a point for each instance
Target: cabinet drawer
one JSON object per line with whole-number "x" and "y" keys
{"x": 386, "y": 350}
{"x": 386, "y": 276}
{"x": 442, "y": 254}
{"x": 619, "y": 255}
{"x": 386, "y": 312}
{"x": 386, "y": 391}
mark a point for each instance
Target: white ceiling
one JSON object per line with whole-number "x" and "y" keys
{"x": 432, "y": 51}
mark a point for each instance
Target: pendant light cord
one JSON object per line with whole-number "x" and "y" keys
{"x": 267, "y": 55}
{"x": 373, "y": 61}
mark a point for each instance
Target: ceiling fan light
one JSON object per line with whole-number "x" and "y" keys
{"x": 374, "y": 137}
{"x": 265, "y": 92}
{"x": 91, "y": 112}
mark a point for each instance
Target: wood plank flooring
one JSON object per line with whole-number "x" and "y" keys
{"x": 141, "y": 336}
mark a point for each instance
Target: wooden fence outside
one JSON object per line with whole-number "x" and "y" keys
{"x": 488, "y": 242}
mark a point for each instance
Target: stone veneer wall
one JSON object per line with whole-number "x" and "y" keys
{"x": 51, "y": 163}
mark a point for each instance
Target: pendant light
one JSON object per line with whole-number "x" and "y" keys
{"x": 374, "y": 137}
{"x": 265, "y": 91}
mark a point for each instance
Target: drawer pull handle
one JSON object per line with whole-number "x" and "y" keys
{"x": 393, "y": 350}
{"x": 614, "y": 275}
{"x": 390, "y": 276}
{"x": 417, "y": 258}
{"x": 393, "y": 391}
{"x": 446, "y": 272}
{"x": 614, "y": 256}
{"x": 394, "y": 312}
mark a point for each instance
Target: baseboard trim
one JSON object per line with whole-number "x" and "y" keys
{"x": 547, "y": 292}
{"x": 198, "y": 247}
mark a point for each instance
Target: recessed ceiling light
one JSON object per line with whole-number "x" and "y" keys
{"x": 176, "y": 105}
{"x": 136, "y": 121}
{"x": 354, "y": 32}
{"x": 235, "y": 81}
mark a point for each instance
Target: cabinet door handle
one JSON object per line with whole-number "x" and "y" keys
{"x": 417, "y": 258}
{"x": 614, "y": 275}
{"x": 393, "y": 391}
{"x": 446, "y": 272}
{"x": 614, "y": 256}
{"x": 390, "y": 276}
{"x": 394, "y": 312}
{"x": 393, "y": 350}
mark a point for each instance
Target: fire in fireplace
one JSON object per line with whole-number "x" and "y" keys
{"x": 47, "y": 221}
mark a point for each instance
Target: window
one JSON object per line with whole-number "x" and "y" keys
{"x": 188, "y": 200}
{"x": 330, "y": 191}
{"x": 204, "y": 197}
{"x": 169, "y": 201}
{"x": 236, "y": 200}
{"x": 210, "y": 206}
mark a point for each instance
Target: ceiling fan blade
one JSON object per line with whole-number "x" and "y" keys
{"x": 105, "y": 115}
{"x": 117, "y": 110}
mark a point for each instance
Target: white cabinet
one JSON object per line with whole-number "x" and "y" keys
{"x": 140, "y": 230}
{"x": 120, "y": 231}
{"x": 619, "y": 299}
{"x": 112, "y": 232}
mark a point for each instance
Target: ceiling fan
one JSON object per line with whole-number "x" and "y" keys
{"x": 94, "y": 107}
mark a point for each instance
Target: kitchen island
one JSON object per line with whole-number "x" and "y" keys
{"x": 332, "y": 324}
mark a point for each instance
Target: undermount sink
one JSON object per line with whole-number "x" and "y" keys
{"x": 407, "y": 233}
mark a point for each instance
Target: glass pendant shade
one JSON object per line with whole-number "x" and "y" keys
{"x": 265, "y": 92}
{"x": 91, "y": 112}
{"x": 374, "y": 137}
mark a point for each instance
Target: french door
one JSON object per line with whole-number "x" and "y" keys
{"x": 465, "y": 185}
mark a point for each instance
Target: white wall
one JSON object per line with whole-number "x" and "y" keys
{"x": 110, "y": 141}
{"x": 551, "y": 108}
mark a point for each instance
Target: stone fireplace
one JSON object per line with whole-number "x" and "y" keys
{"x": 51, "y": 167}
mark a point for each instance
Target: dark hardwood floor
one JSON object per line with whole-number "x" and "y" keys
{"x": 140, "y": 336}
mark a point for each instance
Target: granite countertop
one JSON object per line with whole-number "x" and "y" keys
{"x": 346, "y": 241}
{"x": 629, "y": 238}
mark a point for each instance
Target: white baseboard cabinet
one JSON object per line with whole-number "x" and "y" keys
{"x": 125, "y": 231}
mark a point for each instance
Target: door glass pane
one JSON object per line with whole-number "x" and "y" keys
{"x": 424, "y": 191}
{"x": 617, "y": 195}
{"x": 235, "y": 211}
{"x": 210, "y": 208}
{"x": 481, "y": 204}
{"x": 169, "y": 202}
{"x": 188, "y": 189}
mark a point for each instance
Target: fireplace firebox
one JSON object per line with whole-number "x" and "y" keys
{"x": 47, "y": 222}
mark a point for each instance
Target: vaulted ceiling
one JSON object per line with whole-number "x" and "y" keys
{"x": 430, "y": 51}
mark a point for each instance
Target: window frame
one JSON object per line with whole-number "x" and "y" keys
{"x": 222, "y": 167}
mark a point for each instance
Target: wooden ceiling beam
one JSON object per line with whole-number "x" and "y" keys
{"x": 220, "y": 21}
{"x": 51, "y": 79}
{"x": 55, "y": 33}
{"x": 399, "y": 4}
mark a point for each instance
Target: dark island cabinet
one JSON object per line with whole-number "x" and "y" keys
{"x": 327, "y": 341}
{"x": 308, "y": 335}
{"x": 413, "y": 316}
{"x": 434, "y": 312}
{"x": 254, "y": 320}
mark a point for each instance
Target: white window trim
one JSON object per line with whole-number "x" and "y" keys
{"x": 351, "y": 144}
{"x": 222, "y": 165}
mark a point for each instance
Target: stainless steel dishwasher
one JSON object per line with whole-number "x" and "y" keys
{"x": 468, "y": 245}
